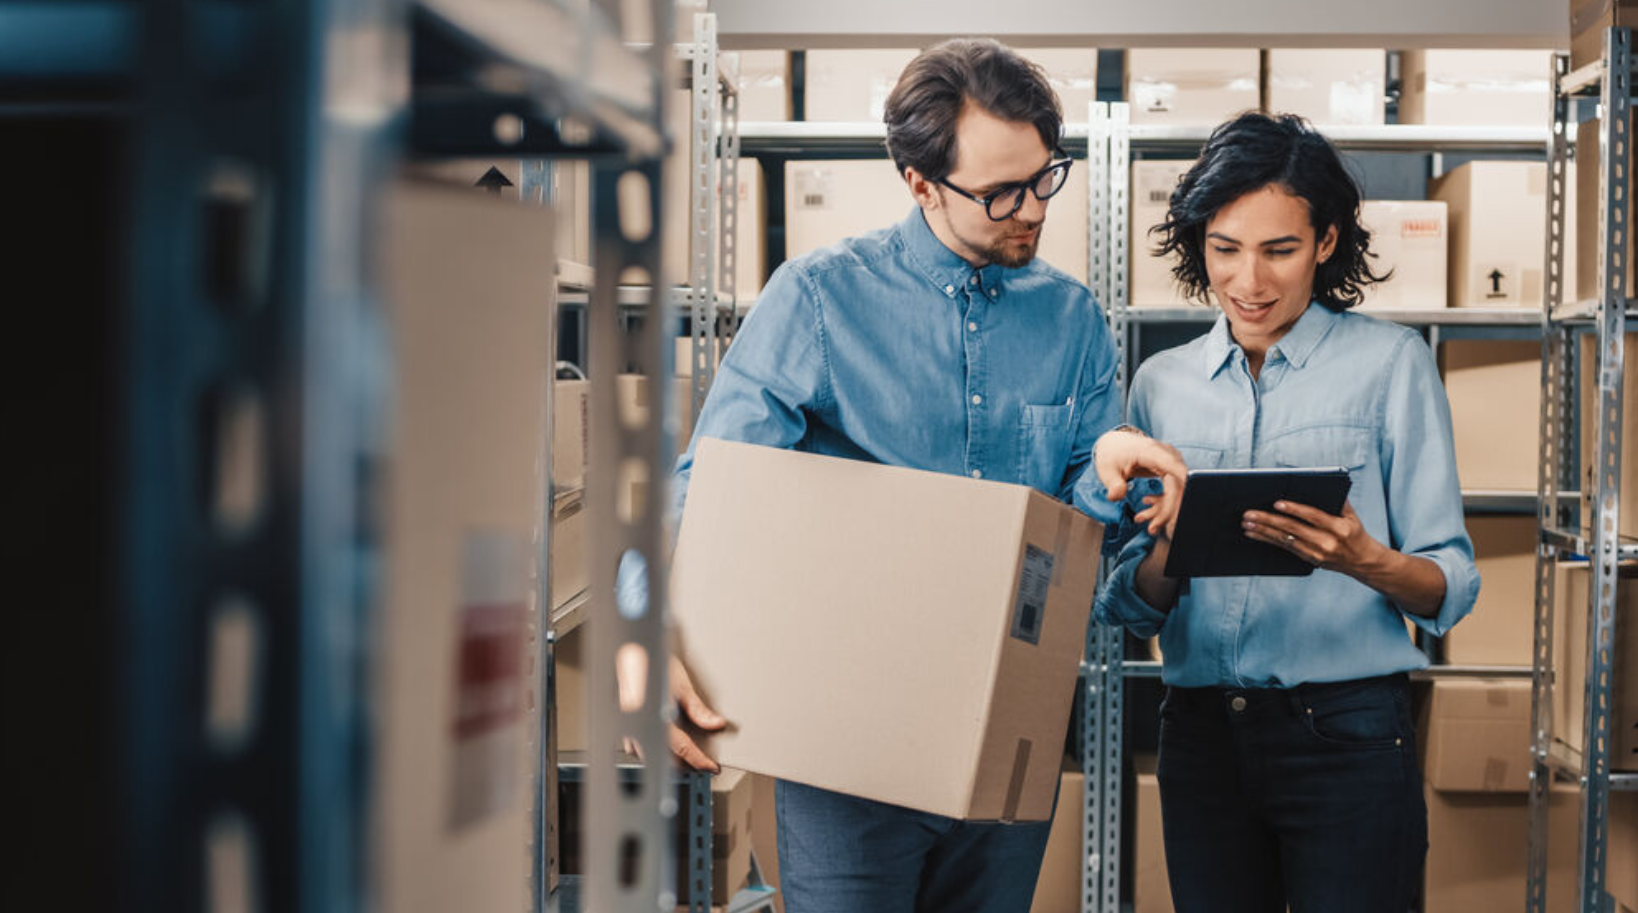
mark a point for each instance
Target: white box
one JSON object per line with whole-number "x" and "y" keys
{"x": 1408, "y": 237}
{"x": 764, "y": 85}
{"x": 852, "y": 86}
{"x": 1330, "y": 86}
{"x": 1476, "y": 88}
{"x": 1498, "y": 225}
{"x": 1150, "y": 280}
{"x": 1190, "y": 86}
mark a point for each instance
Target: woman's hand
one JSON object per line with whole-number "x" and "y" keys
{"x": 1324, "y": 540}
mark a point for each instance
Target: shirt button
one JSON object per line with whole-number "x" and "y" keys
{"x": 974, "y": 279}
{"x": 977, "y": 399}
{"x": 972, "y": 326}
{"x": 1238, "y": 704}
{"x": 992, "y": 293}
{"x": 949, "y": 290}
{"x": 978, "y": 473}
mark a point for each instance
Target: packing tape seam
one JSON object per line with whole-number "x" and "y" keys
{"x": 1015, "y": 785}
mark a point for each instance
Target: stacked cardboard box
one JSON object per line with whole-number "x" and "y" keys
{"x": 764, "y": 85}
{"x": 1496, "y": 448}
{"x": 1006, "y": 591}
{"x": 853, "y": 85}
{"x": 1150, "y": 279}
{"x": 1409, "y": 238}
{"x": 1498, "y": 218}
{"x": 827, "y": 201}
{"x": 1151, "y": 889}
{"x": 1190, "y": 86}
{"x": 1058, "y": 887}
{"x": 1476, "y": 736}
{"x": 1499, "y": 632}
{"x": 1570, "y": 615}
{"x": 1480, "y": 88}
{"x": 1330, "y": 86}
{"x": 1589, "y": 210}
{"x": 1589, "y": 19}
{"x": 1588, "y": 386}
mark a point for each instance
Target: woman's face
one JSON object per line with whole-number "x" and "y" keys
{"x": 1261, "y": 255}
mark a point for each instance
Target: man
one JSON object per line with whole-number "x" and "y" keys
{"x": 939, "y": 343}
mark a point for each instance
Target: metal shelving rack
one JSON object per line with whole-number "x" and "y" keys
{"x": 1610, "y": 316}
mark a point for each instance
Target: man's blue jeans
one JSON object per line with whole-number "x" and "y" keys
{"x": 1309, "y": 797}
{"x": 840, "y": 854}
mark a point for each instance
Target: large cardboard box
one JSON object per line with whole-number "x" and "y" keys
{"x": 570, "y": 539}
{"x": 1328, "y": 86}
{"x": 1587, "y": 213}
{"x": 571, "y": 422}
{"x": 569, "y": 667}
{"x": 1408, "y": 237}
{"x": 472, "y": 331}
{"x": 1570, "y": 663}
{"x": 1476, "y": 735}
{"x": 750, "y": 253}
{"x": 764, "y": 86}
{"x": 1498, "y": 632}
{"x": 1621, "y": 877}
{"x": 1589, "y": 19}
{"x": 952, "y": 612}
{"x": 1073, "y": 73}
{"x": 1150, "y": 279}
{"x": 1497, "y": 449}
{"x": 1151, "y": 887}
{"x": 765, "y": 832}
{"x": 853, "y": 85}
{"x": 1058, "y": 887}
{"x": 1498, "y": 231}
{"x": 1588, "y": 388}
{"x": 827, "y": 201}
{"x": 1478, "y": 851}
{"x": 1475, "y": 88}
{"x": 732, "y": 795}
{"x": 1190, "y": 86}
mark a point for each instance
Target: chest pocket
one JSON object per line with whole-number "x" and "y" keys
{"x": 1196, "y": 456}
{"x": 1344, "y": 446}
{"x": 1044, "y": 437}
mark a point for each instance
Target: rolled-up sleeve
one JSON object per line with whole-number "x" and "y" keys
{"x": 1118, "y": 602}
{"x": 1424, "y": 495}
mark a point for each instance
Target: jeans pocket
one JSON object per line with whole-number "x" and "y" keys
{"x": 1352, "y": 715}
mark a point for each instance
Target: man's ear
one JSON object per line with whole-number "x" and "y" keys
{"x": 925, "y": 191}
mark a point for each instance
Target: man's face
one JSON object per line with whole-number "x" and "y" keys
{"x": 989, "y": 152}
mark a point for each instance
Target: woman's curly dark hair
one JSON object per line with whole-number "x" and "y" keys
{"x": 1249, "y": 153}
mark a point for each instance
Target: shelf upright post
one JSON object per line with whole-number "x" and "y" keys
{"x": 727, "y": 232}
{"x": 705, "y": 130}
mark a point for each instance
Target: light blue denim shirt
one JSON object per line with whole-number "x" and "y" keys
{"x": 892, "y": 349}
{"x": 1339, "y": 389}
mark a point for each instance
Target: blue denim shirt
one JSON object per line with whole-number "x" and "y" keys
{"x": 1340, "y": 389}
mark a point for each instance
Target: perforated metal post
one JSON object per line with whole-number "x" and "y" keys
{"x": 703, "y": 200}
{"x": 1614, "y": 254}
{"x": 1554, "y": 469}
{"x": 628, "y": 830}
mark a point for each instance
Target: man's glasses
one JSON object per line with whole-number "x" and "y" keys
{"x": 1009, "y": 198}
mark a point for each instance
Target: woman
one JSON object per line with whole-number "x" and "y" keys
{"x": 1288, "y": 772}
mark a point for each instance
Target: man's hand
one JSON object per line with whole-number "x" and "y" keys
{"x": 631, "y": 669}
{"x": 1124, "y": 454}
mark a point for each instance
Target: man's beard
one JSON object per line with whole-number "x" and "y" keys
{"x": 1004, "y": 252}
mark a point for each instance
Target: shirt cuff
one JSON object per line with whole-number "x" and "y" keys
{"x": 1118, "y": 603}
{"x": 1461, "y": 591}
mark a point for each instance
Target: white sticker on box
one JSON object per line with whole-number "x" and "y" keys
{"x": 814, "y": 188}
{"x": 1029, "y": 609}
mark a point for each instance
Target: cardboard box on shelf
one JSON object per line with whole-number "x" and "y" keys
{"x": 463, "y": 281}
{"x": 1477, "y": 848}
{"x": 765, "y": 832}
{"x": 676, "y": 248}
{"x": 1190, "y": 86}
{"x": 1496, "y": 449}
{"x": 635, "y": 398}
{"x": 1621, "y": 877}
{"x": 827, "y": 201}
{"x": 1498, "y": 216}
{"x": 1058, "y": 887}
{"x": 1498, "y": 632}
{"x": 570, "y": 539}
{"x": 1570, "y": 663}
{"x": 764, "y": 85}
{"x": 1588, "y": 388}
{"x": 571, "y": 200}
{"x": 571, "y": 423}
{"x": 569, "y": 669}
{"x": 1588, "y": 155}
{"x": 732, "y": 797}
{"x": 1004, "y": 596}
{"x": 1475, "y": 88}
{"x": 1589, "y": 19}
{"x": 1476, "y": 735}
{"x": 1073, "y": 73}
{"x": 852, "y": 85}
{"x": 1150, "y": 280}
{"x": 1328, "y": 86}
{"x": 1151, "y": 889}
{"x": 750, "y": 254}
{"x": 1410, "y": 238}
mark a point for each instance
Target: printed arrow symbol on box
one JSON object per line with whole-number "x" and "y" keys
{"x": 492, "y": 180}
{"x": 1495, "y": 278}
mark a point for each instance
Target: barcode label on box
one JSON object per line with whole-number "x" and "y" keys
{"x": 1030, "y": 606}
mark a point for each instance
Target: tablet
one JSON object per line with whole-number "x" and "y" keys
{"x": 1209, "y": 540}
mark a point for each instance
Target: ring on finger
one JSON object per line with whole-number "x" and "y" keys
{"x": 1290, "y": 538}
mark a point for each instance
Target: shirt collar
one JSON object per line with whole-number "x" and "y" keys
{"x": 1296, "y": 346}
{"x": 942, "y": 266}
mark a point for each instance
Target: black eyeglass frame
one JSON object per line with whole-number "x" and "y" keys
{"x": 1060, "y": 162}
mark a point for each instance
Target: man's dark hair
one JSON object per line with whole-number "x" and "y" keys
{"x": 923, "y": 107}
{"x": 1251, "y": 152}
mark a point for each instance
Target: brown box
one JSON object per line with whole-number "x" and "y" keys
{"x": 1589, "y": 19}
{"x": 1497, "y": 447}
{"x": 827, "y": 201}
{"x": 1073, "y": 73}
{"x": 1478, "y": 851}
{"x": 571, "y": 700}
{"x": 1570, "y": 663}
{"x": 1328, "y": 86}
{"x": 571, "y": 423}
{"x": 1498, "y": 225}
{"x": 751, "y": 227}
{"x": 1476, "y": 736}
{"x": 1151, "y": 889}
{"x": 1498, "y": 632}
{"x": 765, "y": 832}
{"x": 1588, "y": 156}
{"x": 1410, "y": 238}
{"x": 569, "y": 542}
{"x": 1058, "y": 887}
{"x": 1190, "y": 86}
{"x": 853, "y": 85}
{"x": 1150, "y": 279}
{"x": 633, "y": 393}
{"x": 731, "y": 822}
{"x": 1476, "y": 88}
{"x": 764, "y": 86}
{"x": 1621, "y": 876}
{"x": 464, "y": 288}
{"x": 1629, "y": 434}
{"x": 952, "y": 612}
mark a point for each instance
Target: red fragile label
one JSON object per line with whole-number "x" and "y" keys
{"x": 489, "y": 686}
